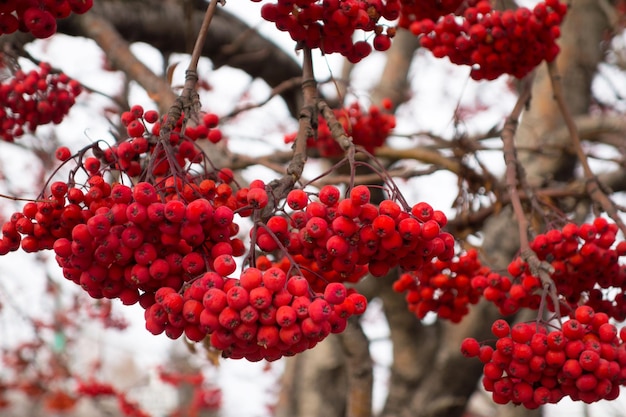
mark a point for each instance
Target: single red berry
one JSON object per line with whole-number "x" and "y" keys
{"x": 298, "y": 285}
{"x": 360, "y": 195}
{"x": 286, "y": 316}
{"x": 297, "y": 199}
{"x": 335, "y": 293}
{"x": 470, "y": 347}
{"x": 500, "y": 328}
{"x": 319, "y": 310}
{"x": 257, "y": 198}
{"x": 274, "y": 279}
{"x": 260, "y": 298}
{"x": 63, "y": 153}
{"x": 237, "y": 297}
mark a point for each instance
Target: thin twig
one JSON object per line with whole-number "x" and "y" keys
{"x": 280, "y": 89}
{"x": 594, "y": 187}
{"x": 188, "y": 102}
{"x": 307, "y": 126}
{"x": 540, "y": 269}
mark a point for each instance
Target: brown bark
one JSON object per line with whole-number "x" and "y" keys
{"x": 315, "y": 383}
{"x": 121, "y": 57}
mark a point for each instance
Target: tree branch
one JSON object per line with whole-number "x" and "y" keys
{"x": 119, "y": 54}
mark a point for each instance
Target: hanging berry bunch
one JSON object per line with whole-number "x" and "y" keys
{"x": 330, "y": 24}
{"x": 38, "y": 17}
{"x": 585, "y": 271}
{"x": 535, "y": 364}
{"x": 585, "y": 262}
{"x": 443, "y": 287}
{"x": 167, "y": 240}
{"x": 345, "y": 234}
{"x": 34, "y": 98}
{"x": 143, "y": 138}
{"x": 369, "y": 129}
{"x": 492, "y": 42}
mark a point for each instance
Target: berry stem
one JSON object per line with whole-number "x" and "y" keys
{"x": 336, "y": 129}
{"x": 188, "y": 102}
{"x": 307, "y": 125}
{"x": 513, "y": 178}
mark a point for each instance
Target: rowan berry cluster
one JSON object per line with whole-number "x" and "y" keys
{"x": 585, "y": 360}
{"x": 116, "y": 241}
{"x": 143, "y": 144}
{"x": 34, "y": 98}
{"x": 205, "y": 396}
{"x": 585, "y": 260}
{"x": 261, "y": 315}
{"x": 38, "y": 17}
{"x": 443, "y": 287}
{"x": 493, "y": 42}
{"x": 330, "y": 24}
{"x": 95, "y": 389}
{"x": 170, "y": 243}
{"x": 369, "y": 129}
{"x": 346, "y": 234}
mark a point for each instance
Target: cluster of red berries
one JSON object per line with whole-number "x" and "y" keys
{"x": 261, "y": 315}
{"x": 443, "y": 287}
{"x": 117, "y": 241}
{"x": 368, "y": 129}
{"x": 170, "y": 244}
{"x": 585, "y": 260}
{"x": 584, "y": 360}
{"x": 38, "y": 17}
{"x": 318, "y": 277}
{"x": 142, "y": 152}
{"x": 448, "y": 286}
{"x": 494, "y": 42}
{"x": 330, "y": 24}
{"x": 345, "y": 234}
{"x": 59, "y": 401}
{"x": 205, "y": 396}
{"x": 34, "y": 98}
{"x": 95, "y": 389}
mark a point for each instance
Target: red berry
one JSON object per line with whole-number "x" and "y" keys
{"x": 500, "y": 328}
{"x": 297, "y": 199}
{"x": 63, "y": 153}
{"x": 335, "y": 293}
{"x": 470, "y": 347}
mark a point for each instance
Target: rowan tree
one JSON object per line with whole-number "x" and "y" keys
{"x": 517, "y": 290}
